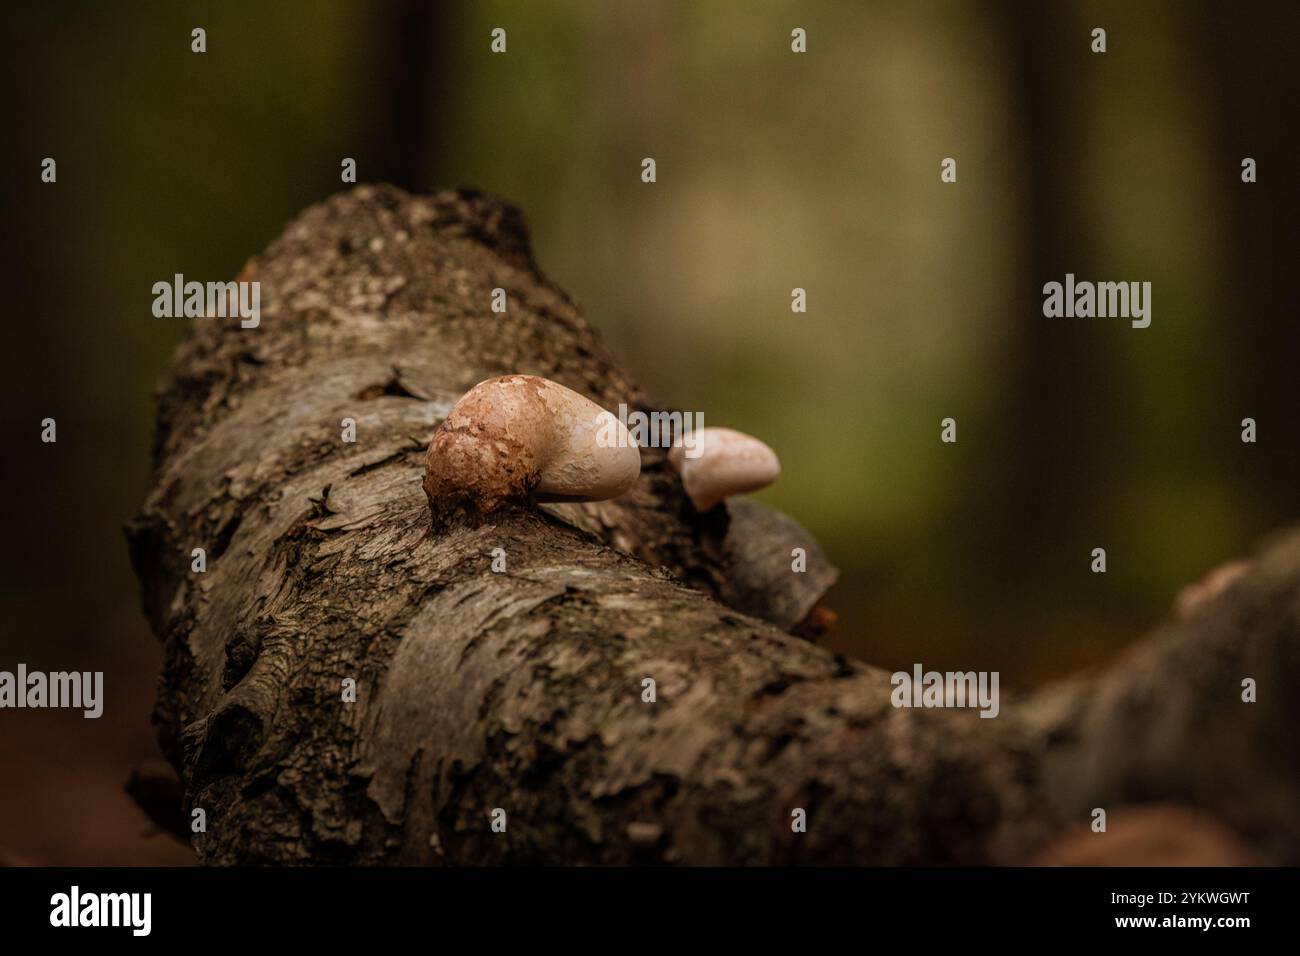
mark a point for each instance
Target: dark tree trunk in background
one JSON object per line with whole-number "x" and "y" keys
{"x": 1057, "y": 388}
{"x": 1043, "y": 480}
{"x": 522, "y": 690}
{"x": 1255, "y": 76}
{"x": 400, "y": 142}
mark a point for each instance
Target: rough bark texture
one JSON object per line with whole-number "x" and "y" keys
{"x": 523, "y": 690}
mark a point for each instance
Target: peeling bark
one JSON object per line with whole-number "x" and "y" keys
{"x": 522, "y": 690}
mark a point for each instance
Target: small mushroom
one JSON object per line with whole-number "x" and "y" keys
{"x": 522, "y": 438}
{"x": 728, "y": 463}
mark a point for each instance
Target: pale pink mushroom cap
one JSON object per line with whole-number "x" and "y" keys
{"x": 729, "y": 463}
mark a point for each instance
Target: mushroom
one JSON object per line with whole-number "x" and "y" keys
{"x": 728, "y": 463}
{"x": 522, "y": 438}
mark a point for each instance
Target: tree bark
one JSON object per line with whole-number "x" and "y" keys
{"x": 523, "y": 690}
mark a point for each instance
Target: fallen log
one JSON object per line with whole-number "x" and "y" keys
{"x": 349, "y": 682}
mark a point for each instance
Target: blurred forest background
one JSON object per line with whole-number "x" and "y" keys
{"x": 775, "y": 170}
